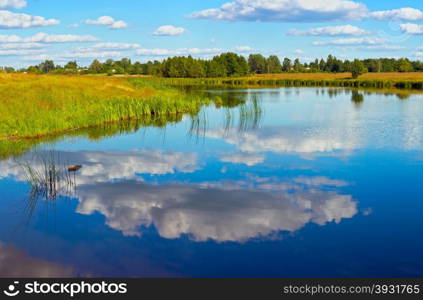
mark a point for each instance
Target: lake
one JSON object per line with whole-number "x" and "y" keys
{"x": 294, "y": 182}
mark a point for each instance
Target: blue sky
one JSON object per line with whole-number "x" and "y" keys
{"x": 35, "y": 30}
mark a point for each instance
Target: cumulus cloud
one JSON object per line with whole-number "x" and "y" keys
{"x": 244, "y": 49}
{"x": 15, "y": 263}
{"x": 111, "y": 46}
{"x": 60, "y": 38}
{"x": 18, "y": 46}
{"x": 16, "y": 52}
{"x": 342, "y": 30}
{"x": 320, "y": 181}
{"x": 180, "y": 51}
{"x": 17, "y": 4}
{"x": 285, "y": 11}
{"x": 299, "y": 51}
{"x": 384, "y": 48}
{"x": 212, "y": 211}
{"x": 10, "y": 20}
{"x": 282, "y": 140}
{"x": 411, "y": 28}
{"x": 169, "y": 30}
{"x": 402, "y": 14}
{"x": 40, "y": 57}
{"x": 90, "y": 54}
{"x": 47, "y": 38}
{"x": 249, "y": 159}
{"x": 103, "y": 166}
{"x": 352, "y": 42}
{"x": 109, "y": 22}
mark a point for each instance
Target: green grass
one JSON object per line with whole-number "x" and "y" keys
{"x": 33, "y": 106}
{"x": 382, "y": 81}
{"x": 17, "y": 147}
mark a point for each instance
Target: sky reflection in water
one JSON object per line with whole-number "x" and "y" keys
{"x": 295, "y": 182}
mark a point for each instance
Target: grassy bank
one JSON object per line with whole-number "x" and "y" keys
{"x": 35, "y": 105}
{"x": 411, "y": 81}
{"x": 17, "y": 147}
{"x": 47, "y": 106}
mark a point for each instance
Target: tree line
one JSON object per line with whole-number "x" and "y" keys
{"x": 226, "y": 65}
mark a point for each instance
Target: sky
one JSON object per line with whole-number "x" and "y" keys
{"x": 32, "y": 31}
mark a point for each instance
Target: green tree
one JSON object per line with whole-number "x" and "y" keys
{"x": 215, "y": 69}
{"x": 235, "y": 64}
{"x": 357, "y": 68}
{"x": 72, "y": 65}
{"x": 404, "y": 65}
{"x": 33, "y": 69}
{"x": 47, "y": 66}
{"x": 274, "y": 65}
{"x": 298, "y": 67}
{"x": 258, "y": 64}
{"x": 137, "y": 69}
{"x": 286, "y": 65}
{"x": 96, "y": 67}
{"x": 195, "y": 68}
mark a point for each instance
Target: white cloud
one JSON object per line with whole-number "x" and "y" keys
{"x": 111, "y": 46}
{"x": 342, "y": 30}
{"x": 74, "y": 55}
{"x": 319, "y": 181}
{"x": 169, "y": 30}
{"x": 204, "y": 211}
{"x": 61, "y": 38}
{"x": 352, "y": 41}
{"x": 19, "y": 52}
{"x": 249, "y": 159}
{"x": 17, "y": 4}
{"x": 243, "y": 49}
{"x": 299, "y": 51}
{"x": 104, "y": 166}
{"x": 47, "y": 38}
{"x": 286, "y": 11}
{"x": 180, "y": 51}
{"x": 156, "y": 52}
{"x": 17, "y": 46}
{"x": 212, "y": 211}
{"x": 91, "y": 54}
{"x": 402, "y": 14}
{"x": 411, "y": 28}
{"x": 10, "y": 20}
{"x": 108, "y": 21}
{"x": 281, "y": 140}
{"x": 40, "y": 57}
{"x": 384, "y": 48}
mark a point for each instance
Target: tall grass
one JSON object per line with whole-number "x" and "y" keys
{"x": 18, "y": 147}
{"x": 34, "y": 105}
{"x": 302, "y": 80}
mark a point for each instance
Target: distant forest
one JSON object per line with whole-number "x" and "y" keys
{"x": 226, "y": 65}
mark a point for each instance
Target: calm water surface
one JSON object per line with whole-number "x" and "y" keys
{"x": 276, "y": 183}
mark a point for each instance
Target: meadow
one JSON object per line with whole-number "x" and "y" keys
{"x": 410, "y": 81}
{"x": 32, "y": 106}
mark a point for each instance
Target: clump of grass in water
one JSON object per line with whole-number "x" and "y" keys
{"x": 49, "y": 178}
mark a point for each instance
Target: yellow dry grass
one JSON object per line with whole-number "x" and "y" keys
{"x": 334, "y": 76}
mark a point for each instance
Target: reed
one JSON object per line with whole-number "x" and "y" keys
{"x": 409, "y": 81}
{"x": 34, "y": 105}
